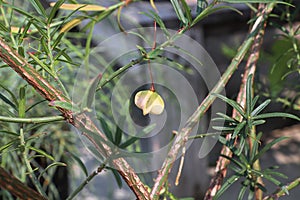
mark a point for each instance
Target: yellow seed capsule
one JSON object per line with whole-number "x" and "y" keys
{"x": 150, "y": 102}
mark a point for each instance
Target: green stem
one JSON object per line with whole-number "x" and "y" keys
{"x": 199, "y": 136}
{"x": 27, "y": 163}
{"x": 86, "y": 181}
{"x": 283, "y": 191}
{"x": 119, "y": 71}
{"x": 32, "y": 120}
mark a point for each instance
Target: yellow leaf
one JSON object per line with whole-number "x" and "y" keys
{"x": 68, "y": 26}
{"x": 150, "y": 102}
{"x": 81, "y": 7}
{"x": 153, "y": 5}
{"x": 16, "y": 29}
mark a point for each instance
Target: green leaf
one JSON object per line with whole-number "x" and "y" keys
{"x": 154, "y": 53}
{"x": 232, "y": 103}
{"x": 187, "y": 11}
{"x": 41, "y": 152}
{"x": 89, "y": 96}
{"x": 272, "y": 172}
{"x": 276, "y": 114}
{"x": 273, "y": 180}
{"x": 254, "y": 101}
{"x": 158, "y": 20}
{"x": 106, "y": 129}
{"x": 238, "y": 163}
{"x": 256, "y": 1}
{"x": 210, "y": 9}
{"x": 117, "y": 176}
{"x": 243, "y": 189}
{"x": 179, "y": 11}
{"x": 118, "y": 136}
{"x": 42, "y": 65}
{"x": 142, "y": 50}
{"x": 23, "y": 12}
{"x": 9, "y": 133}
{"x": 38, "y": 7}
{"x": 258, "y": 122}
{"x": 222, "y": 128}
{"x": 22, "y": 102}
{"x": 226, "y": 117}
{"x": 238, "y": 128}
{"x": 81, "y": 164}
{"x": 65, "y": 105}
{"x": 9, "y": 144}
{"x": 55, "y": 164}
{"x": 6, "y": 100}
{"x": 251, "y": 194}
{"x": 40, "y": 29}
{"x": 54, "y": 9}
{"x": 227, "y": 184}
{"x": 239, "y": 150}
{"x": 13, "y": 97}
{"x": 244, "y": 160}
{"x": 129, "y": 142}
{"x": 266, "y": 148}
{"x": 255, "y": 147}
{"x": 35, "y": 104}
{"x": 201, "y": 5}
{"x": 249, "y": 94}
{"x": 24, "y": 32}
{"x": 44, "y": 44}
{"x": 64, "y": 54}
{"x": 4, "y": 28}
{"x": 260, "y": 107}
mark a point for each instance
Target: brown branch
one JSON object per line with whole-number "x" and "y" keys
{"x": 17, "y": 188}
{"x": 250, "y": 68}
{"x": 81, "y": 121}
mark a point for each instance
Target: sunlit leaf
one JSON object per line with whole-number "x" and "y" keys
{"x": 119, "y": 19}
{"x": 71, "y": 24}
{"x": 153, "y": 5}
{"x": 81, "y": 7}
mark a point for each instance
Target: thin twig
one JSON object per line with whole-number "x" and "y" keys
{"x": 284, "y": 190}
{"x": 86, "y": 181}
{"x": 34, "y": 120}
{"x": 31, "y": 174}
{"x": 222, "y": 163}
